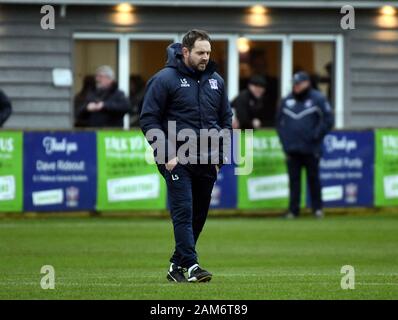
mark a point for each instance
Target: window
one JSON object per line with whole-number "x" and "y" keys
{"x": 89, "y": 55}
{"x": 259, "y": 57}
{"x": 219, "y": 54}
{"x": 136, "y": 57}
{"x": 146, "y": 58}
{"x": 317, "y": 59}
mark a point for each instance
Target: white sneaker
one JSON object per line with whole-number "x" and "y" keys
{"x": 197, "y": 274}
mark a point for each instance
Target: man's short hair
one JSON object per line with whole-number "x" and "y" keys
{"x": 106, "y": 70}
{"x": 192, "y": 35}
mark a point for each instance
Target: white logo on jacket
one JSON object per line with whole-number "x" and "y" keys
{"x": 308, "y": 103}
{"x": 290, "y": 103}
{"x": 184, "y": 83}
{"x": 213, "y": 84}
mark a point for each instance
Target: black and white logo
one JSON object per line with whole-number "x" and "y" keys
{"x": 184, "y": 83}
{"x": 213, "y": 84}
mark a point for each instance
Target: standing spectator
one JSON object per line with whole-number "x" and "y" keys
{"x": 105, "y": 105}
{"x": 5, "y": 108}
{"x": 249, "y": 105}
{"x": 303, "y": 120}
{"x": 80, "y": 98}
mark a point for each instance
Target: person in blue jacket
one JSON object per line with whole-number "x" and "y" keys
{"x": 303, "y": 120}
{"x": 188, "y": 94}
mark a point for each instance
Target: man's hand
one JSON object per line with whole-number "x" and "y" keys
{"x": 256, "y": 123}
{"x": 91, "y": 107}
{"x": 100, "y": 105}
{"x": 171, "y": 164}
{"x": 95, "y": 106}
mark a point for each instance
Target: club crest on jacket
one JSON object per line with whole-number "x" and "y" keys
{"x": 213, "y": 84}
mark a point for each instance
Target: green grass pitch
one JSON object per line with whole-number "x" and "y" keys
{"x": 251, "y": 258}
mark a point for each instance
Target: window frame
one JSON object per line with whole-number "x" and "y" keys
{"x": 338, "y": 71}
{"x": 124, "y": 54}
{"x": 233, "y": 59}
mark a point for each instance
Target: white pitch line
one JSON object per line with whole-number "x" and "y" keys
{"x": 76, "y": 284}
{"x": 113, "y": 284}
{"x": 155, "y": 275}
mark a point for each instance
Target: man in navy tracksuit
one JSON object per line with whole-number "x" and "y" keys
{"x": 303, "y": 120}
{"x": 189, "y": 93}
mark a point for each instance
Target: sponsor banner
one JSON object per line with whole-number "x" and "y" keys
{"x": 386, "y": 168}
{"x": 60, "y": 171}
{"x": 267, "y": 185}
{"x": 126, "y": 180}
{"x": 273, "y": 187}
{"x": 346, "y": 169}
{"x": 224, "y": 191}
{"x": 133, "y": 188}
{"x": 48, "y": 197}
{"x": 332, "y": 193}
{"x": 11, "y": 182}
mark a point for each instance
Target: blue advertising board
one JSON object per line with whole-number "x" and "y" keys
{"x": 346, "y": 169}
{"x": 224, "y": 195}
{"x": 60, "y": 171}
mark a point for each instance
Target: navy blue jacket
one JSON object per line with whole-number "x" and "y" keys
{"x": 5, "y": 108}
{"x": 194, "y": 100}
{"x": 302, "y": 124}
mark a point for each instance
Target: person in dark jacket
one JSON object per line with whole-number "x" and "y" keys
{"x": 303, "y": 120}
{"x": 250, "y": 106}
{"x": 5, "y": 108}
{"x": 80, "y": 98}
{"x": 105, "y": 105}
{"x": 191, "y": 94}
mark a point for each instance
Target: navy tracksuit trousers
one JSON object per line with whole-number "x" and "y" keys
{"x": 189, "y": 189}
{"x": 295, "y": 163}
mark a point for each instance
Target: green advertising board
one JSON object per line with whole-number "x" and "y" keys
{"x": 267, "y": 186}
{"x": 126, "y": 181}
{"x": 386, "y": 168}
{"x": 11, "y": 178}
